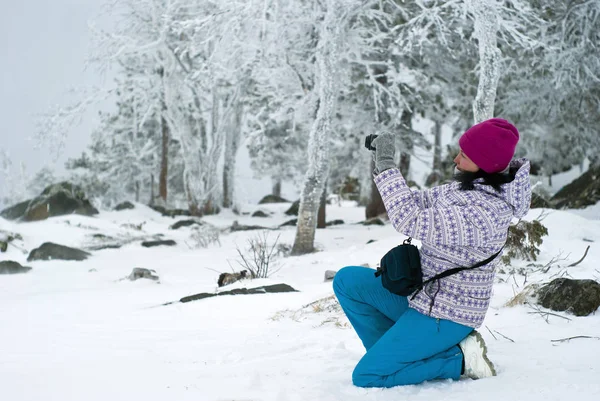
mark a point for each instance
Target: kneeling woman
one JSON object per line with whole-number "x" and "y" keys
{"x": 431, "y": 336}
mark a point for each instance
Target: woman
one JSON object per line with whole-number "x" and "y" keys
{"x": 432, "y": 336}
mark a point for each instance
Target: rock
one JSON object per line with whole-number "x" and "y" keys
{"x": 579, "y": 297}
{"x": 375, "y": 221}
{"x": 334, "y": 223}
{"x": 230, "y": 278}
{"x": 167, "y": 242}
{"x": 170, "y": 212}
{"x": 238, "y": 227}
{"x": 124, "y": 206}
{"x": 52, "y": 251}
{"x": 292, "y": 222}
{"x": 582, "y": 192}
{"x": 259, "y": 213}
{"x": 185, "y": 223}
{"x": 272, "y": 199}
{"x": 329, "y": 274}
{"x": 268, "y": 289}
{"x": 56, "y": 200}
{"x": 293, "y": 210}
{"x": 12, "y": 267}
{"x": 15, "y": 212}
{"x": 371, "y": 241}
{"x": 139, "y": 272}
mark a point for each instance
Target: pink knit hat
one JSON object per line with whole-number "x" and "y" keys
{"x": 490, "y": 144}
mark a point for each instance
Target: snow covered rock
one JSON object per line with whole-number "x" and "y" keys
{"x": 259, "y": 213}
{"x": 584, "y": 191}
{"x": 272, "y": 199}
{"x": 11, "y": 267}
{"x": 184, "y": 223}
{"x": 580, "y": 297}
{"x": 56, "y": 200}
{"x": 140, "y": 272}
{"x": 170, "y": 212}
{"x": 167, "y": 242}
{"x": 124, "y": 206}
{"x": 52, "y": 251}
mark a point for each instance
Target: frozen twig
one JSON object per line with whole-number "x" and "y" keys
{"x": 545, "y": 314}
{"x": 509, "y": 339}
{"x": 580, "y": 260}
{"x": 572, "y": 338}
{"x": 491, "y": 333}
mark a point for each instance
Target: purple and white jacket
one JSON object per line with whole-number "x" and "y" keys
{"x": 457, "y": 229}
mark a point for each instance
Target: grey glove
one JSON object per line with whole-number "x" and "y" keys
{"x": 385, "y": 151}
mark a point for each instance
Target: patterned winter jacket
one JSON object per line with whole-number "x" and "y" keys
{"x": 456, "y": 228}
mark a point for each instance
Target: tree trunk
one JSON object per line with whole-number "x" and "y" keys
{"x": 436, "y": 175}
{"x": 164, "y": 162}
{"x": 375, "y": 206}
{"x": 151, "y": 189}
{"x": 408, "y": 145}
{"x": 276, "y": 191}
{"x": 321, "y": 215}
{"x": 318, "y": 144}
{"x": 232, "y": 142}
{"x": 485, "y": 14}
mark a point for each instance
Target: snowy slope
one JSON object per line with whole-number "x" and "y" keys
{"x": 75, "y": 331}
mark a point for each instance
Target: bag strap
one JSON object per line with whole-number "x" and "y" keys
{"x": 455, "y": 270}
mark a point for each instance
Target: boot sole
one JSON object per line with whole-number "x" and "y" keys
{"x": 481, "y": 342}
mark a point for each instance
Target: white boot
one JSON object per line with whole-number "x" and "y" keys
{"x": 477, "y": 364}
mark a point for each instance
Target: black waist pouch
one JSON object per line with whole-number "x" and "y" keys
{"x": 400, "y": 269}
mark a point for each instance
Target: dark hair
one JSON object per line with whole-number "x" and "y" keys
{"x": 466, "y": 179}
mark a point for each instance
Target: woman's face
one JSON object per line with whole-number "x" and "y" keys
{"x": 463, "y": 163}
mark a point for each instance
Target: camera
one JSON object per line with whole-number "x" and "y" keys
{"x": 368, "y": 141}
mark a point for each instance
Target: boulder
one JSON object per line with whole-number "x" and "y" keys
{"x": 52, "y": 251}
{"x": 259, "y": 213}
{"x": 294, "y": 209}
{"x": 11, "y": 267}
{"x": 334, "y": 223}
{"x": 272, "y": 199}
{"x": 124, "y": 206}
{"x": 139, "y": 273}
{"x": 579, "y": 297}
{"x": 167, "y": 242}
{"x": 582, "y": 192}
{"x": 56, "y": 200}
{"x": 15, "y": 212}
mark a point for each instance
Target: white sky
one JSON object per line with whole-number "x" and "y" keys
{"x": 43, "y": 45}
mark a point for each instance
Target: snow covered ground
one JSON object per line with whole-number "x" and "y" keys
{"x": 76, "y": 331}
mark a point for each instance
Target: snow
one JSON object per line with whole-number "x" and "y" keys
{"x": 76, "y": 331}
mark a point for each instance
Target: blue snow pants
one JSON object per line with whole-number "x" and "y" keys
{"x": 403, "y": 346}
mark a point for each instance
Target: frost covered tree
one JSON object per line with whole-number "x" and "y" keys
{"x": 554, "y": 93}
{"x": 329, "y": 36}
